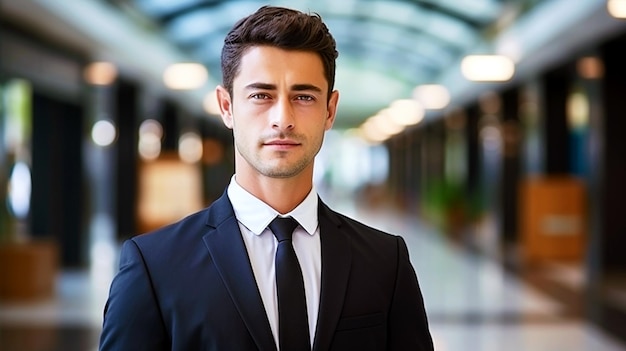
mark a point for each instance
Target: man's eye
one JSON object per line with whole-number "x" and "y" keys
{"x": 305, "y": 98}
{"x": 259, "y": 96}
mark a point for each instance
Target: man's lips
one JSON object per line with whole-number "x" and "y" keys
{"x": 282, "y": 142}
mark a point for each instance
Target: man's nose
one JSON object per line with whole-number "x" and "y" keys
{"x": 283, "y": 115}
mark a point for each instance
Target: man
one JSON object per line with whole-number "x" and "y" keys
{"x": 211, "y": 282}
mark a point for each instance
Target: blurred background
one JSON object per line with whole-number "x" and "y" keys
{"x": 490, "y": 134}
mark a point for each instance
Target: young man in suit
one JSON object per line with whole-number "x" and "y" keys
{"x": 209, "y": 282}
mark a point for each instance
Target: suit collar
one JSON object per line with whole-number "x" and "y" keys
{"x": 220, "y": 211}
{"x": 336, "y": 258}
{"x": 229, "y": 254}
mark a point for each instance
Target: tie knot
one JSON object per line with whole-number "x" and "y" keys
{"x": 283, "y": 227}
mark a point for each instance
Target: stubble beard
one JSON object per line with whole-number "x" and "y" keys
{"x": 278, "y": 166}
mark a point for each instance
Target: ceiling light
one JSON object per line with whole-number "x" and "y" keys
{"x": 487, "y": 68}
{"x": 185, "y": 76}
{"x": 373, "y": 133}
{"x": 150, "y": 134}
{"x": 578, "y": 110}
{"x": 190, "y": 147}
{"x": 432, "y": 96}
{"x": 151, "y": 127}
{"x": 100, "y": 73}
{"x": 405, "y": 112}
{"x": 386, "y": 125}
{"x": 616, "y": 8}
{"x": 379, "y": 128}
{"x": 103, "y": 133}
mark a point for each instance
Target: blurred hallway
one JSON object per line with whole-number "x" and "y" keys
{"x": 473, "y": 302}
{"x": 508, "y": 190}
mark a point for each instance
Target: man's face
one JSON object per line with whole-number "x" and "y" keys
{"x": 279, "y": 111}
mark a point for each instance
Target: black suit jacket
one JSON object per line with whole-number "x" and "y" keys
{"x": 190, "y": 286}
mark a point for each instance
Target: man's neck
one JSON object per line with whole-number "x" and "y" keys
{"x": 282, "y": 194}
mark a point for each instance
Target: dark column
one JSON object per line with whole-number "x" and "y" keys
{"x": 614, "y": 231}
{"x": 606, "y": 263}
{"x": 394, "y": 172}
{"x": 57, "y": 209}
{"x": 408, "y": 171}
{"x": 511, "y": 135}
{"x": 414, "y": 176}
{"x": 556, "y": 138}
{"x": 397, "y": 169}
{"x": 171, "y": 126}
{"x": 472, "y": 131}
{"x": 435, "y": 137}
{"x": 433, "y": 161}
{"x": 126, "y": 117}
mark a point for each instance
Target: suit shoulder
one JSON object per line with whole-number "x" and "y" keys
{"x": 372, "y": 249}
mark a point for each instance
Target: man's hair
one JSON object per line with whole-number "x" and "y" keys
{"x": 282, "y": 28}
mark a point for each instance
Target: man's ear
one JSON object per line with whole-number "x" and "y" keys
{"x": 331, "y": 111}
{"x": 225, "y": 103}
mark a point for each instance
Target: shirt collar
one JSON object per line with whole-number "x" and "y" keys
{"x": 256, "y": 215}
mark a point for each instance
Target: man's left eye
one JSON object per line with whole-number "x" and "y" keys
{"x": 305, "y": 98}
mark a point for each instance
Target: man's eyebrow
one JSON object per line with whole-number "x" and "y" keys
{"x": 295, "y": 87}
{"x": 304, "y": 87}
{"x": 262, "y": 86}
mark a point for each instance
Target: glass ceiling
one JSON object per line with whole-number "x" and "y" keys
{"x": 389, "y": 46}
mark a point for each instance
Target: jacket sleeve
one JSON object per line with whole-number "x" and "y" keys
{"x": 408, "y": 324}
{"x": 132, "y": 319}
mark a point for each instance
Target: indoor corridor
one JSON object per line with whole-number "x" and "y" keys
{"x": 487, "y": 133}
{"x": 473, "y": 301}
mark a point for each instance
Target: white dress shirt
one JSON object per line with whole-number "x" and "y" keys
{"x": 254, "y": 216}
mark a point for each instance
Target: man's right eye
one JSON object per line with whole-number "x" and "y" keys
{"x": 259, "y": 96}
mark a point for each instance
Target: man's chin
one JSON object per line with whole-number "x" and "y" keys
{"x": 283, "y": 171}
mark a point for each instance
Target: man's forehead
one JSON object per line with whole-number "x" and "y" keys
{"x": 266, "y": 65}
{"x": 294, "y": 87}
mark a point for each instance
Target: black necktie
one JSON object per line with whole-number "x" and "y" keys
{"x": 293, "y": 325}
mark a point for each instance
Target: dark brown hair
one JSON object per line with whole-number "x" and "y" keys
{"x": 282, "y": 28}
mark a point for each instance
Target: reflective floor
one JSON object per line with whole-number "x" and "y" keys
{"x": 473, "y": 302}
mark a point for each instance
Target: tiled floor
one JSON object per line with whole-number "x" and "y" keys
{"x": 472, "y": 302}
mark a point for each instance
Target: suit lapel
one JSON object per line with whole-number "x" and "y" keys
{"x": 336, "y": 258}
{"x": 229, "y": 254}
